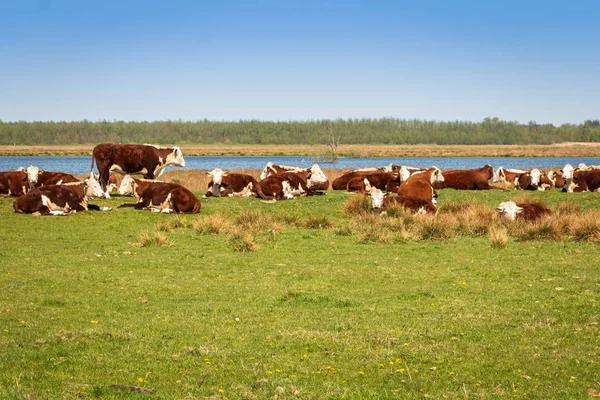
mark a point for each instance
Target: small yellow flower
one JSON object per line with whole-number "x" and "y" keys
{"x": 451, "y": 373}
{"x": 391, "y": 363}
{"x": 405, "y": 344}
{"x": 403, "y": 381}
{"x": 140, "y": 380}
{"x": 94, "y": 321}
{"x": 269, "y": 372}
{"x": 221, "y": 390}
{"x": 361, "y": 372}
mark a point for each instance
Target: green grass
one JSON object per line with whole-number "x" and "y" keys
{"x": 311, "y": 313}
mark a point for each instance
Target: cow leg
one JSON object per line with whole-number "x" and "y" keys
{"x": 93, "y": 207}
{"x": 58, "y": 212}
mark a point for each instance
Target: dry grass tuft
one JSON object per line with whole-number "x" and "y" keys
{"x": 498, "y": 236}
{"x": 566, "y": 208}
{"x": 317, "y": 223}
{"x": 257, "y": 221}
{"x": 585, "y": 226}
{"x": 357, "y": 205}
{"x": 154, "y": 238}
{"x": 545, "y": 228}
{"x": 242, "y": 241}
{"x": 428, "y": 227}
{"x": 474, "y": 220}
{"x": 211, "y": 224}
{"x": 453, "y": 207}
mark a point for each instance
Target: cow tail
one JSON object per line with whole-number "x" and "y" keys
{"x": 93, "y": 158}
{"x": 196, "y": 208}
{"x": 16, "y": 207}
{"x": 261, "y": 194}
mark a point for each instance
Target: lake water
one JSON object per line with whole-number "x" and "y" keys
{"x": 81, "y": 164}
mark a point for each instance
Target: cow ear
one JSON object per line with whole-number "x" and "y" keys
{"x": 207, "y": 174}
{"x": 499, "y": 209}
{"x": 519, "y": 210}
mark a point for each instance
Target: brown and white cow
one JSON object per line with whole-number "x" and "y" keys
{"x": 227, "y": 184}
{"x": 420, "y": 185}
{"x": 584, "y": 181}
{"x": 531, "y": 180}
{"x": 386, "y": 181}
{"x": 315, "y": 171}
{"x": 147, "y": 160}
{"x": 380, "y": 201}
{"x": 357, "y": 175}
{"x": 61, "y": 199}
{"x": 508, "y": 175}
{"x": 468, "y": 179}
{"x": 288, "y": 185}
{"x": 557, "y": 179}
{"x": 160, "y": 197}
{"x": 523, "y": 211}
{"x": 13, "y": 183}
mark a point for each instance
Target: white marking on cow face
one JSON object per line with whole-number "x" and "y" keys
{"x": 126, "y": 187}
{"x": 567, "y": 171}
{"x": 317, "y": 176}
{"x": 536, "y": 176}
{"x": 436, "y": 176}
{"x": 266, "y": 170}
{"x": 175, "y": 158}
{"x": 509, "y": 209}
{"x": 404, "y": 173}
{"x": 377, "y": 197}
{"x": 33, "y": 175}
{"x": 388, "y": 168}
{"x": 94, "y": 189}
{"x": 499, "y": 175}
{"x": 217, "y": 175}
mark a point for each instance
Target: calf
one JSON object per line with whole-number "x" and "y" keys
{"x": 230, "y": 184}
{"x": 13, "y": 183}
{"x": 523, "y": 211}
{"x": 420, "y": 185}
{"x": 584, "y": 181}
{"x": 286, "y": 186}
{"x": 147, "y": 160}
{"x": 315, "y": 172}
{"x": 60, "y": 199}
{"x": 160, "y": 196}
{"x": 468, "y": 179}
{"x": 380, "y": 201}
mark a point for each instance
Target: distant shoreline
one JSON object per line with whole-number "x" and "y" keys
{"x": 355, "y": 150}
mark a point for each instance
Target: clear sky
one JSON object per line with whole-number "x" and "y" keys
{"x": 297, "y": 60}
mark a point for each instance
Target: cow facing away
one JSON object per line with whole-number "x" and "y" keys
{"x": 523, "y": 211}
{"x": 61, "y": 199}
{"x": 468, "y": 179}
{"x": 160, "y": 196}
{"x": 147, "y": 160}
{"x": 223, "y": 184}
{"x": 13, "y": 183}
{"x": 420, "y": 185}
{"x": 288, "y": 185}
{"x": 317, "y": 181}
{"x": 380, "y": 201}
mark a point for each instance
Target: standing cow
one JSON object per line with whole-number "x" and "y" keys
{"x": 147, "y": 160}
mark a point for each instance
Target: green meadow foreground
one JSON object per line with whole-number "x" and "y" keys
{"x": 327, "y": 305}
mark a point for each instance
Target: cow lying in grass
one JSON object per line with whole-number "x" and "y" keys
{"x": 160, "y": 196}
{"x": 522, "y": 211}
{"x": 228, "y": 184}
{"x": 380, "y": 201}
{"x": 61, "y": 199}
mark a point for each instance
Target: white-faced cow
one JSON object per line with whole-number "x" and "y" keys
{"x": 531, "y": 180}
{"x": 160, "y": 197}
{"x": 380, "y": 201}
{"x": 315, "y": 171}
{"x": 288, "y": 185}
{"x": 523, "y": 211}
{"x": 468, "y": 179}
{"x": 224, "y": 184}
{"x": 147, "y": 160}
{"x": 13, "y": 183}
{"x": 61, "y": 199}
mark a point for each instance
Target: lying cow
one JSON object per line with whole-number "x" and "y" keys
{"x": 557, "y": 179}
{"x": 223, "y": 184}
{"x": 288, "y": 185}
{"x": 508, "y": 175}
{"x": 468, "y": 179}
{"x": 13, "y": 183}
{"x": 386, "y": 181}
{"x": 61, "y": 199}
{"x": 315, "y": 170}
{"x": 341, "y": 182}
{"x": 531, "y": 180}
{"x": 584, "y": 181}
{"x": 38, "y": 177}
{"x": 147, "y": 160}
{"x": 380, "y": 201}
{"x": 160, "y": 196}
{"x": 523, "y": 211}
{"x": 420, "y": 185}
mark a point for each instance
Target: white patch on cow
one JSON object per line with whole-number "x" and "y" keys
{"x": 433, "y": 197}
{"x": 53, "y": 208}
{"x": 509, "y": 209}
{"x": 266, "y": 170}
{"x": 367, "y": 185}
{"x": 567, "y": 171}
{"x": 290, "y": 192}
{"x": 175, "y": 158}
{"x": 552, "y": 177}
{"x": 126, "y": 187}
{"x": 536, "y": 176}
{"x": 422, "y": 210}
{"x": 404, "y": 173}
{"x": 436, "y": 176}
{"x": 246, "y": 192}
{"x": 368, "y": 169}
{"x": 164, "y": 207}
{"x": 377, "y": 197}
{"x": 499, "y": 175}
{"x": 33, "y": 175}
{"x": 582, "y": 166}
{"x": 388, "y": 168}
{"x": 317, "y": 176}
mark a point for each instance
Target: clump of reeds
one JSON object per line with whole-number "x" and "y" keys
{"x": 242, "y": 240}
{"x": 153, "y": 238}
{"x": 498, "y": 236}
{"x": 318, "y": 222}
{"x": 357, "y": 205}
{"x": 211, "y": 224}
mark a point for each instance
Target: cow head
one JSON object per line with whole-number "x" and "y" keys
{"x": 404, "y": 173}
{"x": 175, "y": 158}
{"x": 582, "y": 166}
{"x": 93, "y": 187}
{"x": 491, "y": 173}
{"x": 509, "y": 209}
{"x": 33, "y": 174}
{"x": 377, "y": 197}
{"x": 217, "y": 175}
{"x": 126, "y": 187}
{"x": 266, "y": 171}
{"x": 575, "y": 181}
{"x": 436, "y": 176}
{"x": 315, "y": 176}
{"x": 536, "y": 177}
{"x": 567, "y": 171}
{"x": 499, "y": 175}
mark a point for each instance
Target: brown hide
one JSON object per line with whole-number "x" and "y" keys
{"x": 278, "y": 169}
{"x": 532, "y": 211}
{"x": 61, "y": 195}
{"x": 151, "y": 193}
{"x": 13, "y": 183}
{"x": 53, "y": 178}
{"x": 468, "y": 179}
{"x": 418, "y": 186}
{"x": 586, "y": 180}
{"x": 272, "y": 186}
{"x": 233, "y": 183}
{"x": 411, "y": 203}
{"x": 385, "y": 181}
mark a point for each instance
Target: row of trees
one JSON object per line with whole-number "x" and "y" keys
{"x": 349, "y": 131}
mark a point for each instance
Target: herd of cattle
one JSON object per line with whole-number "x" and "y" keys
{"x": 56, "y": 193}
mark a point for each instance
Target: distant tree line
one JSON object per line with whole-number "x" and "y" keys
{"x": 348, "y": 131}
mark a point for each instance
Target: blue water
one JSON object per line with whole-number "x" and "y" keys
{"x": 81, "y": 164}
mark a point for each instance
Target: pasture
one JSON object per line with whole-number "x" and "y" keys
{"x": 292, "y": 300}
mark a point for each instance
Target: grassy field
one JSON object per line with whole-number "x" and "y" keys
{"x": 324, "y": 304}
{"x": 364, "y": 150}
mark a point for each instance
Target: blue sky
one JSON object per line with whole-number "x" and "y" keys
{"x": 298, "y": 60}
